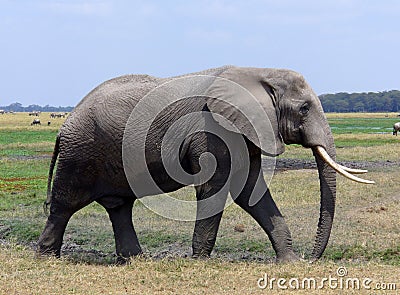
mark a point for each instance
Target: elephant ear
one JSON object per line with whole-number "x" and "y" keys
{"x": 247, "y": 100}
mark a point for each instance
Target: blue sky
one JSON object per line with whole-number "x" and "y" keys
{"x": 55, "y": 52}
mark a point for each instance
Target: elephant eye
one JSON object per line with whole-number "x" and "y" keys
{"x": 304, "y": 109}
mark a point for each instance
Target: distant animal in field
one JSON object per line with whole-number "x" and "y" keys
{"x": 396, "y": 127}
{"x": 34, "y": 113}
{"x": 2, "y": 112}
{"x": 57, "y": 115}
{"x": 48, "y": 123}
{"x": 36, "y": 122}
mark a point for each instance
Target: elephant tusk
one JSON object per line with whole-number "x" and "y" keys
{"x": 339, "y": 168}
{"x": 352, "y": 171}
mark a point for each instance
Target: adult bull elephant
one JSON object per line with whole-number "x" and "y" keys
{"x": 110, "y": 150}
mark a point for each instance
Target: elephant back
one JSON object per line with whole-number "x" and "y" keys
{"x": 95, "y": 128}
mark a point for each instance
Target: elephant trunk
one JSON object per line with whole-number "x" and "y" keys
{"x": 327, "y": 177}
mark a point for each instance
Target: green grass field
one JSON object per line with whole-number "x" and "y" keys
{"x": 365, "y": 238}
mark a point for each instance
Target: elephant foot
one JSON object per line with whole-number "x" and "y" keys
{"x": 125, "y": 259}
{"x": 122, "y": 260}
{"x": 41, "y": 252}
{"x": 288, "y": 257}
{"x": 201, "y": 256}
{"x": 202, "y": 251}
{"x": 49, "y": 249}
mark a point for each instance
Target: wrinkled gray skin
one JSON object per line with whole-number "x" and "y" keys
{"x": 90, "y": 166}
{"x": 396, "y": 128}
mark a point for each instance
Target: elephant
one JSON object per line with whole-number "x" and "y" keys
{"x": 102, "y": 132}
{"x": 396, "y": 128}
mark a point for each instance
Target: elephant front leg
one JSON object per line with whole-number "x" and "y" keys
{"x": 256, "y": 199}
{"x": 211, "y": 194}
{"x": 210, "y": 206}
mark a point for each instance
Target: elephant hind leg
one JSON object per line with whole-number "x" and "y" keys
{"x": 120, "y": 213}
{"x": 61, "y": 210}
{"x": 50, "y": 240}
{"x": 64, "y": 203}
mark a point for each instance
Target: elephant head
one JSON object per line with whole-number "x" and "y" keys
{"x": 295, "y": 116}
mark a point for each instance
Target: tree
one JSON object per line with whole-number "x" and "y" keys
{"x": 386, "y": 101}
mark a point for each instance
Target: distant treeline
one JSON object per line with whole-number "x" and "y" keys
{"x": 386, "y": 101}
{"x": 342, "y": 102}
{"x": 17, "y": 107}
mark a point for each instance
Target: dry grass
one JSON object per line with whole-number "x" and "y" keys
{"x": 356, "y": 149}
{"x": 366, "y": 215}
{"x": 361, "y": 115}
{"x": 36, "y": 146}
{"x": 23, "y": 274}
{"x": 387, "y": 152}
{"x": 22, "y": 121}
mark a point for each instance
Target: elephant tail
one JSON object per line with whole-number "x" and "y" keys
{"x": 50, "y": 178}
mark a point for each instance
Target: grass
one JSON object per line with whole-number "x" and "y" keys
{"x": 364, "y": 123}
{"x": 27, "y": 136}
{"x": 18, "y": 138}
{"x": 361, "y": 125}
{"x": 177, "y": 276}
{"x": 384, "y": 152}
{"x": 365, "y": 236}
{"x": 388, "y": 256}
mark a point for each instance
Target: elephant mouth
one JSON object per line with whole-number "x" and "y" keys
{"x": 344, "y": 171}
